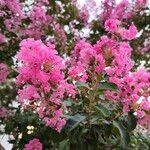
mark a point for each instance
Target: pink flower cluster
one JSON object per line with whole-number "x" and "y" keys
{"x": 4, "y": 71}
{"x": 123, "y": 10}
{"x": 41, "y": 72}
{"x": 83, "y": 57}
{"x": 4, "y": 112}
{"x": 107, "y": 54}
{"x": 46, "y": 79}
{"x": 134, "y": 94}
{"x": 25, "y": 19}
{"x": 117, "y": 56}
{"x": 114, "y": 26}
{"x": 111, "y": 25}
{"x": 130, "y": 33}
{"x": 133, "y": 86}
{"x": 34, "y": 144}
{"x": 15, "y": 12}
{"x": 39, "y": 21}
{"x": 2, "y": 38}
{"x": 140, "y": 3}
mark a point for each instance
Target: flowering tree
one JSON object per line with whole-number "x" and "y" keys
{"x": 71, "y": 75}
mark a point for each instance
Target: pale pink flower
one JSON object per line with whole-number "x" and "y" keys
{"x": 2, "y": 38}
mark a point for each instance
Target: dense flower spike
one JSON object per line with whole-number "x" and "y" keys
{"x": 41, "y": 70}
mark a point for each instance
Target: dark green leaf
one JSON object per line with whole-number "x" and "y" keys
{"x": 107, "y": 86}
{"x": 73, "y": 122}
{"x": 125, "y": 138}
{"x": 64, "y": 145}
{"x": 102, "y": 110}
{"x": 130, "y": 122}
{"x": 82, "y": 85}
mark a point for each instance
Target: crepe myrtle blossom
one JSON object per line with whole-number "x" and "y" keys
{"x": 122, "y": 10}
{"x": 4, "y": 112}
{"x": 106, "y": 53}
{"x": 117, "y": 56}
{"x": 114, "y": 26}
{"x": 111, "y": 25}
{"x": 44, "y": 79}
{"x": 83, "y": 57}
{"x": 130, "y": 33}
{"x": 140, "y": 3}
{"x": 34, "y": 144}
{"x": 133, "y": 93}
{"x": 41, "y": 73}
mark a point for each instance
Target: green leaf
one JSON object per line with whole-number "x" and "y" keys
{"x": 125, "y": 138}
{"x": 82, "y": 85}
{"x": 68, "y": 102}
{"x": 64, "y": 145}
{"x": 102, "y": 110}
{"x": 73, "y": 122}
{"x": 130, "y": 122}
{"x": 97, "y": 131}
{"x": 108, "y": 86}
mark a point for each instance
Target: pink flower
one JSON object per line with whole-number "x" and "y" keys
{"x": 2, "y": 38}
{"x": 121, "y": 10}
{"x": 33, "y": 144}
{"x": 111, "y": 25}
{"x": 60, "y": 124}
{"x": 126, "y": 107}
{"x": 28, "y": 93}
{"x": 133, "y": 93}
{"x": 140, "y": 114}
{"x": 84, "y": 14}
{"x": 40, "y": 63}
{"x": 140, "y": 3}
{"x": 77, "y": 71}
{"x": 56, "y": 122}
{"x": 145, "y": 105}
{"x": 129, "y": 34}
{"x": 41, "y": 74}
{"x": 4, "y": 112}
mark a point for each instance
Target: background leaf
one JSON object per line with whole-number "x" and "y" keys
{"x": 73, "y": 122}
{"x": 125, "y": 138}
